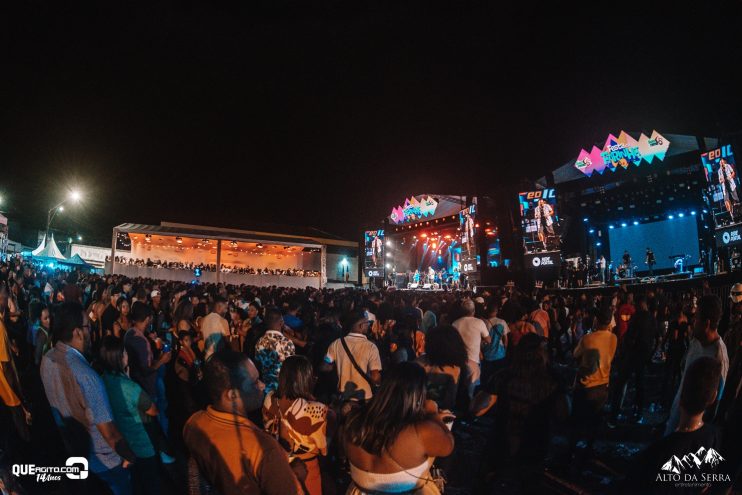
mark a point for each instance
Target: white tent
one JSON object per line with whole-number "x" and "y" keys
{"x": 36, "y": 251}
{"x": 50, "y": 250}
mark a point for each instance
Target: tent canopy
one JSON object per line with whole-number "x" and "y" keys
{"x": 48, "y": 250}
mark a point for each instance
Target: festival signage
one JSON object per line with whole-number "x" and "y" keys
{"x": 729, "y": 236}
{"x": 622, "y": 151}
{"x": 544, "y": 266}
{"x": 414, "y": 209}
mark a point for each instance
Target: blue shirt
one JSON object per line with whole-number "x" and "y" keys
{"x": 496, "y": 350}
{"x": 62, "y": 370}
{"x": 293, "y": 322}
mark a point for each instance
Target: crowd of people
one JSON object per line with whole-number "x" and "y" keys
{"x": 211, "y": 388}
{"x": 211, "y": 267}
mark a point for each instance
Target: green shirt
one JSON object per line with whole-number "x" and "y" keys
{"x": 129, "y": 403}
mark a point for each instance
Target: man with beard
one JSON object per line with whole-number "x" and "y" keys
{"x": 80, "y": 405}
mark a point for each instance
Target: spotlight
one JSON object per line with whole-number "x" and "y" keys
{"x": 681, "y": 215}
{"x": 148, "y": 237}
{"x": 179, "y": 240}
{"x": 693, "y": 212}
{"x": 260, "y": 246}
{"x": 610, "y": 226}
{"x": 388, "y": 266}
{"x": 592, "y": 231}
{"x": 388, "y": 255}
{"x": 636, "y": 223}
{"x": 584, "y": 219}
{"x": 623, "y": 224}
{"x": 598, "y": 244}
{"x": 423, "y": 235}
{"x": 388, "y": 243}
{"x": 670, "y": 216}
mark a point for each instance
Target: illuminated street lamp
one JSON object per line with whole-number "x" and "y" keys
{"x": 74, "y": 196}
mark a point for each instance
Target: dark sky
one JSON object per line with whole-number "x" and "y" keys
{"x": 223, "y": 115}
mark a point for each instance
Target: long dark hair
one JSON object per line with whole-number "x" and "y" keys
{"x": 397, "y": 405}
{"x": 112, "y": 355}
{"x": 296, "y": 379}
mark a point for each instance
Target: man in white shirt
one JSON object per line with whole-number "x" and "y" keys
{"x": 473, "y": 331}
{"x": 214, "y": 327}
{"x": 706, "y": 342}
{"x": 352, "y": 384}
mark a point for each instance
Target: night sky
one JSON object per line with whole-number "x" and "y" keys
{"x": 222, "y": 115}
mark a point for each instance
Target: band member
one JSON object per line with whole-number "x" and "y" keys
{"x": 416, "y": 277}
{"x": 728, "y": 181}
{"x": 650, "y": 261}
{"x": 627, "y": 263}
{"x": 544, "y": 220}
{"x": 376, "y": 246}
{"x": 431, "y": 275}
{"x": 602, "y": 267}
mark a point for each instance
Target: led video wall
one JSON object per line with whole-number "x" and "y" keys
{"x": 373, "y": 263}
{"x": 721, "y": 174}
{"x": 540, "y": 220}
{"x": 468, "y": 236}
{"x": 667, "y": 239}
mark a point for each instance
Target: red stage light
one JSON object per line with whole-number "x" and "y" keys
{"x": 423, "y": 235}
{"x": 434, "y": 245}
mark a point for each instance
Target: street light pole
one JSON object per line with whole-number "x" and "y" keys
{"x": 73, "y": 196}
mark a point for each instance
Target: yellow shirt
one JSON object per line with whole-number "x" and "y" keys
{"x": 595, "y": 353}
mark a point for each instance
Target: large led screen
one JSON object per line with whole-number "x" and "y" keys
{"x": 666, "y": 238}
{"x": 721, "y": 174}
{"x": 539, "y": 220}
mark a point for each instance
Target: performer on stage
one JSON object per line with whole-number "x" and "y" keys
{"x": 601, "y": 267}
{"x": 544, "y": 220}
{"x": 416, "y": 277}
{"x": 377, "y": 245}
{"x": 468, "y": 231}
{"x": 650, "y": 261}
{"x": 431, "y": 275}
{"x": 727, "y": 179}
{"x": 627, "y": 263}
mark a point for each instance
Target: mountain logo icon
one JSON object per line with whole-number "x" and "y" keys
{"x": 693, "y": 460}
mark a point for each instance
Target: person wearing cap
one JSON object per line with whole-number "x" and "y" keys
{"x": 158, "y": 314}
{"x": 111, "y": 313}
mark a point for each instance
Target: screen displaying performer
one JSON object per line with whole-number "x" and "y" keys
{"x": 721, "y": 174}
{"x": 540, "y": 220}
{"x": 468, "y": 235}
{"x": 374, "y": 249}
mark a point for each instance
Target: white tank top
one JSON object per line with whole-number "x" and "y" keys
{"x": 399, "y": 482}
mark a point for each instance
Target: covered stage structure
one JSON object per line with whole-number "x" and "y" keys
{"x": 265, "y": 256}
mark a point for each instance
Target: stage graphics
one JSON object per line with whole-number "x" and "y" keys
{"x": 622, "y": 151}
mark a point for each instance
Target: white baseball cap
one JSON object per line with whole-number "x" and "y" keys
{"x": 155, "y": 293}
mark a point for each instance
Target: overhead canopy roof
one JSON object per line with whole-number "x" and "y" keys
{"x": 680, "y": 145}
{"x": 49, "y": 250}
{"x": 202, "y": 232}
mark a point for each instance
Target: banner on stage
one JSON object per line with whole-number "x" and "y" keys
{"x": 622, "y": 151}
{"x": 729, "y": 236}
